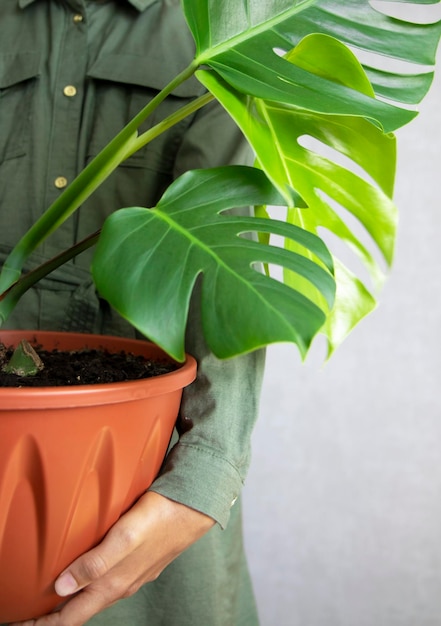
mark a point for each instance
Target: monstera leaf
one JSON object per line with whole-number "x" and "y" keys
{"x": 280, "y": 97}
{"x": 279, "y": 134}
{"x": 320, "y": 121}
{"x": 239, "y": 40}
{"x": 317, "y": 129}
{"x": 149, "y": 277}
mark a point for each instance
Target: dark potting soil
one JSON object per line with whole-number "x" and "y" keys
{"x": 84, "y": 368}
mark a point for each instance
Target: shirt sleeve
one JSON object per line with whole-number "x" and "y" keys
{"x": 207, "y": 466}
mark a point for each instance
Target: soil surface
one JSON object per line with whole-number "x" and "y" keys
{"x": 83, "y": 368}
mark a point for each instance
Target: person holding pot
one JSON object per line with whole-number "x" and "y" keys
{"x": 73, "y": 73}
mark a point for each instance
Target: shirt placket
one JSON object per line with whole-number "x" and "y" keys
{"x": 68, "y": 84}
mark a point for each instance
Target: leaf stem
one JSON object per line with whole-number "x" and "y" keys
{"x": 10, "y": 297}
{"x": 170, "y": 121}
{"x": 89, "y": 179}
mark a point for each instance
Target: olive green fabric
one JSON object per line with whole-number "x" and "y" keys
{"x": 72, "y": 73}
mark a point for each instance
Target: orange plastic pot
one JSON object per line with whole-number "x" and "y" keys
{"x": 72, "y": 460}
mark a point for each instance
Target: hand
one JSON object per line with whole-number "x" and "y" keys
{"x": 134, "y": 551}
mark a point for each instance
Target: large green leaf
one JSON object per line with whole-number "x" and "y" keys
{"x": 217, "y": 24}
{"x": 367, "y": 26}
{"x": 239, "y": 42}
{"x": 317, "y": 92}
{"x": 332, "y": 192}
{"x": 368, "y": 29}
{"x": 147, "y": 263}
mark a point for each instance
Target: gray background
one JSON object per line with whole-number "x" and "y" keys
{"x": 343, "y": 500}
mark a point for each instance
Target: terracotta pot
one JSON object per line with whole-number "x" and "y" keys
{"x": 72, "y": 460}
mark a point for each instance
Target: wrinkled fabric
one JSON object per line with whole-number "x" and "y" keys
{"x": 117, "y": 55}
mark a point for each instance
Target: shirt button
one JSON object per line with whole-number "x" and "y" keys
{"x": 60, "y": 182}
{"x": 233, "y": 502}
{"x": 77, "y": 18}
{"x": 70, "y": 91}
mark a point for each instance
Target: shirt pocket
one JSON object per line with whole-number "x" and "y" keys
{"x": 123, "y": 85}
{"x": 18, "y": 73}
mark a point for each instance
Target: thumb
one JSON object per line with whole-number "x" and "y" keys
{"x": 84, "y": 570}
{"x": 66, "y": 584}
{"x": 119, "y": 542}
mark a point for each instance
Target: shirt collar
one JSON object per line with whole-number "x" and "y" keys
{"x": 141, "y": 5}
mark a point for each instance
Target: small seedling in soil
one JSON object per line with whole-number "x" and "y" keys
{"x": 24, "y": 360}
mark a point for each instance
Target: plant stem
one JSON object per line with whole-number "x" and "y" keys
{"x": 169, "y": 121}
{"x": 24, "y": 361}
{"x": 116, "y": 151}
{"x": 19, "y": 286}
{"x": 10, "y": 297}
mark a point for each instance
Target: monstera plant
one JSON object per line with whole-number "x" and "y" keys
{"x": 317, "y": 87}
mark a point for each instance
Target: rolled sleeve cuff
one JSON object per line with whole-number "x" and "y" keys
{"x": 199, "y": 478}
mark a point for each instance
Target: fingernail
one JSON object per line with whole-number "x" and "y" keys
{"x": 66, "y": 584}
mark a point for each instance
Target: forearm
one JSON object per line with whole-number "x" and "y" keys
{"x": 207, "y": 467}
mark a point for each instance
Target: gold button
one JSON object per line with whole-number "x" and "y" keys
{"x": 70, "y": 91}
{"x": 60, "y": 182}
{"x": 77, "y": 18}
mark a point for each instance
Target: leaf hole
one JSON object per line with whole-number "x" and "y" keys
{"x": 408, "y": 12}
{"x": 346, "y": 251}
{"x": 334, "y": 155}
{"x": 280, "y": 52}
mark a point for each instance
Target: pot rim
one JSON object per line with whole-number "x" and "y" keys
{"x": 17, "y": 398}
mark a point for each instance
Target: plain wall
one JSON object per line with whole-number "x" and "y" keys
{"x": 343, "y": 500}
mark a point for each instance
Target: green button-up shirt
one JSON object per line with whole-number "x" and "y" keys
{"x": 72, "y": 74}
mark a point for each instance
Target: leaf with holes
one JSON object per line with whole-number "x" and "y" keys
{"x": 238, "y": 41}
{"x": 300, "y": 151}
{"x": 149, "y": 276}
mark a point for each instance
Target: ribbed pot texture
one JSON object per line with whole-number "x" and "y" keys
{"x": 72, "y": 460}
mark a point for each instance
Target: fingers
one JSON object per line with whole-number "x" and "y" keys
{"x": 135, "y": 551}
{"x": 76, "y": 612}
{"x": 80, "y": 608}
{"x": 140, "y": 545}
{"x": 88, "y": 567}
{"x": 120, "y": 542}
